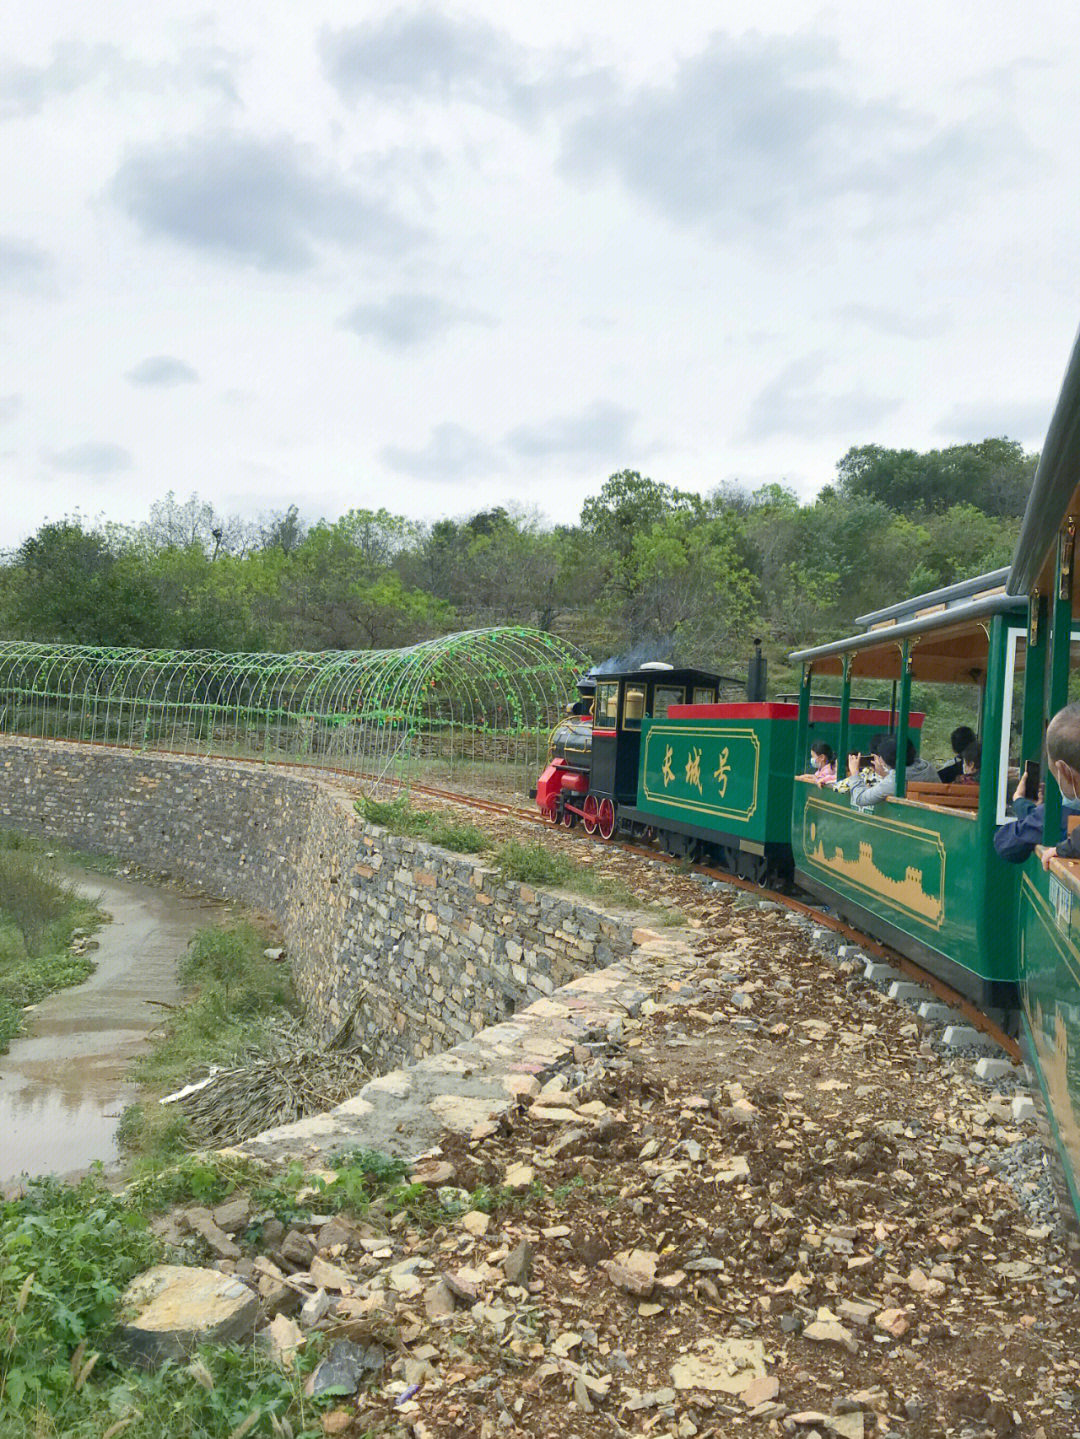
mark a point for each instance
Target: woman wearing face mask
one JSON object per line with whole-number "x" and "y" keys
{"x": 1017, "y": 839}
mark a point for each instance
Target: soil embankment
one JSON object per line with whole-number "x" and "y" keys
{"x": 63, "y": 1086}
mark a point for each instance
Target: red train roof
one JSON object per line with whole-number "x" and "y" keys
{"x": 822, "y": 714}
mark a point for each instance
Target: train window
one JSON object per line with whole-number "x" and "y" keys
{"x": 703, "y": 695}
{"x": 607, "y": 705}
{"x": 665, "y": 695}
{"x": 633, "y": 706}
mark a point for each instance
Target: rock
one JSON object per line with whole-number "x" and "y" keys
{"x": 314, "y": 1308}
{"x": 273, "y": 954}
{"x": 519, "y": 1176}
{"x": 554, "y": 1114}
{"x": 856, "y": 1312}
{"x": 847, "y": 1426}
{"x": 432, "y": 1172}
{"x": 462, "y": 1288}
{"x": 284, "y": 1337}
{"x": 438, "y": 1300}
{"x": 633, "y": 1270}
{"x": 234, "y": 1216}
{"x": 1023, "y": 1108}
{"x": 732, "y": 1170}
{"x": 896, "y": 1322}
{"x": 177, "y": 1308}
{"x": 344, "y": 1368}
{"x": 330, "y": 1276}
{"x": 337, "y": 1232}
{"x": 724, "y": 1366}
{"x": 476, "y": 1222}
{"x": 760, "y": 1391}
{"x": 297, "y": 1248}
{"x": 827, "y": 1329}
{"x": 201, "y": 1222}
{"x": 517, "y": 1266}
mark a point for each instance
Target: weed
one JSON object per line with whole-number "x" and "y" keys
{"x": 399, "y": 817}
{"x": 29, "y": 844}
{"x": 39, "y": 916}
{"x": 233, "y": 991}
{"x": 535, "y": 864}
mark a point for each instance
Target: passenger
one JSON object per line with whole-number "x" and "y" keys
{"x": 960, "y": 739}
{"x": 822, "y": 763}
{"x": 1016, "y": 840}
{"x": 866, "y": 792}
{"x": 972, "y": 759}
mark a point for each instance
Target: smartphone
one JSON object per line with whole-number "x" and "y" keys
{"x": 1031, "y": 779}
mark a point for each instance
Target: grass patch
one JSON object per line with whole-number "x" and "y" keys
{"x": 11, "y": 839}
{"x": 537, "y": 865}
{"x": 39, "y": 917}
{"x": 68, "y": 1253}
{"x": 400, "y": 817}
{"x": 233, "y": 991}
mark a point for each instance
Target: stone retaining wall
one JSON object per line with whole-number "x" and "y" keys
{"x": 434, "y": 946}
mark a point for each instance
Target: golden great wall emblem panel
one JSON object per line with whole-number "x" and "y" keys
{"x": 898, "y": 865}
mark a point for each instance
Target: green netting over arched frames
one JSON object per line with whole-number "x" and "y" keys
{"x": 470, "y": 707}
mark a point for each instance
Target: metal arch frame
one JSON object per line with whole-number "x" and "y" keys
{"x": 476, "y": 700}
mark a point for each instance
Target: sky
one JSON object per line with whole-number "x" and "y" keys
{"x": 442, "y": 258}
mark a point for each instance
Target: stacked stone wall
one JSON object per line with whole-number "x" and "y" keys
{"x": 433, "y": 946}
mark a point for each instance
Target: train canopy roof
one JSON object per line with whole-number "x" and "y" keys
{"x": 952, "y": 643}
{"x": 1055, "y": 493}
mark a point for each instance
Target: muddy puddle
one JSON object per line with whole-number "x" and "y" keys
{"x": 62, "y": 1087}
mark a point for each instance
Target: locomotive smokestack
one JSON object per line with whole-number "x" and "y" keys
{"x": 756, "y": 675}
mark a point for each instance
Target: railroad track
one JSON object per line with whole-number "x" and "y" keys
{"x": 953, "y": 998}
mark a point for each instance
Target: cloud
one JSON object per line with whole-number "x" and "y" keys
{"x": 264, "y": 202}
{"x": 1020, "y": 420}
{"x": 26, "y": 89}
{"x": 451, "y": 453}
{"x": 898, "y": 323}
{"x": 600, "y": 428}
{"x": 757, "y": 132}
{"x": 162, "y": 370}
{"x": 426, "y": 54}
{"x": 794, "y": 404}
{"x": 10, "y": 407}
{"x": 409, "y": 319}
{"x": 95, "y": 457}
{"x": 26, "y": 267}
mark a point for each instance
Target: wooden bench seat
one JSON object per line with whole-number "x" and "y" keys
{"x": 952, "y": 796}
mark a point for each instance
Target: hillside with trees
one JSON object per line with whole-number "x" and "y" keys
{"x": 692, "y": 577}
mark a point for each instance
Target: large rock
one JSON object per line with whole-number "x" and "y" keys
{"x": 176, "y": 1308}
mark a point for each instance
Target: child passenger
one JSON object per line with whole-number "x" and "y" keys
{"x": 822, "y": 763}
{"x": 972, "y": 760}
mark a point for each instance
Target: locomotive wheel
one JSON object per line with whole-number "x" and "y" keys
{"x": 590, "y": 808}
{"x": 605, "y": 819}
{"x": 569, "y": 819}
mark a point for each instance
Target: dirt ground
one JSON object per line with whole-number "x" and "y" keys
{"x": 767, "y": 1207}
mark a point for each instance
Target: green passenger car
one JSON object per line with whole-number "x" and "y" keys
{"x": 1047, "y": 931}
{"x": 720, "y": 775}
{"x": 918, "y": 869}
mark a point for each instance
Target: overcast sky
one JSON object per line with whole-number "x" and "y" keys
{"x": 437, "y": 258}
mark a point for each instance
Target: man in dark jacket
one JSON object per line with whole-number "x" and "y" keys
{"x": 960, "y": 739}
{"x": 1017, "y": 839}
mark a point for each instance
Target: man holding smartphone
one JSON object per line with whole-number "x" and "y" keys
{"x": 1017, "y": 839}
